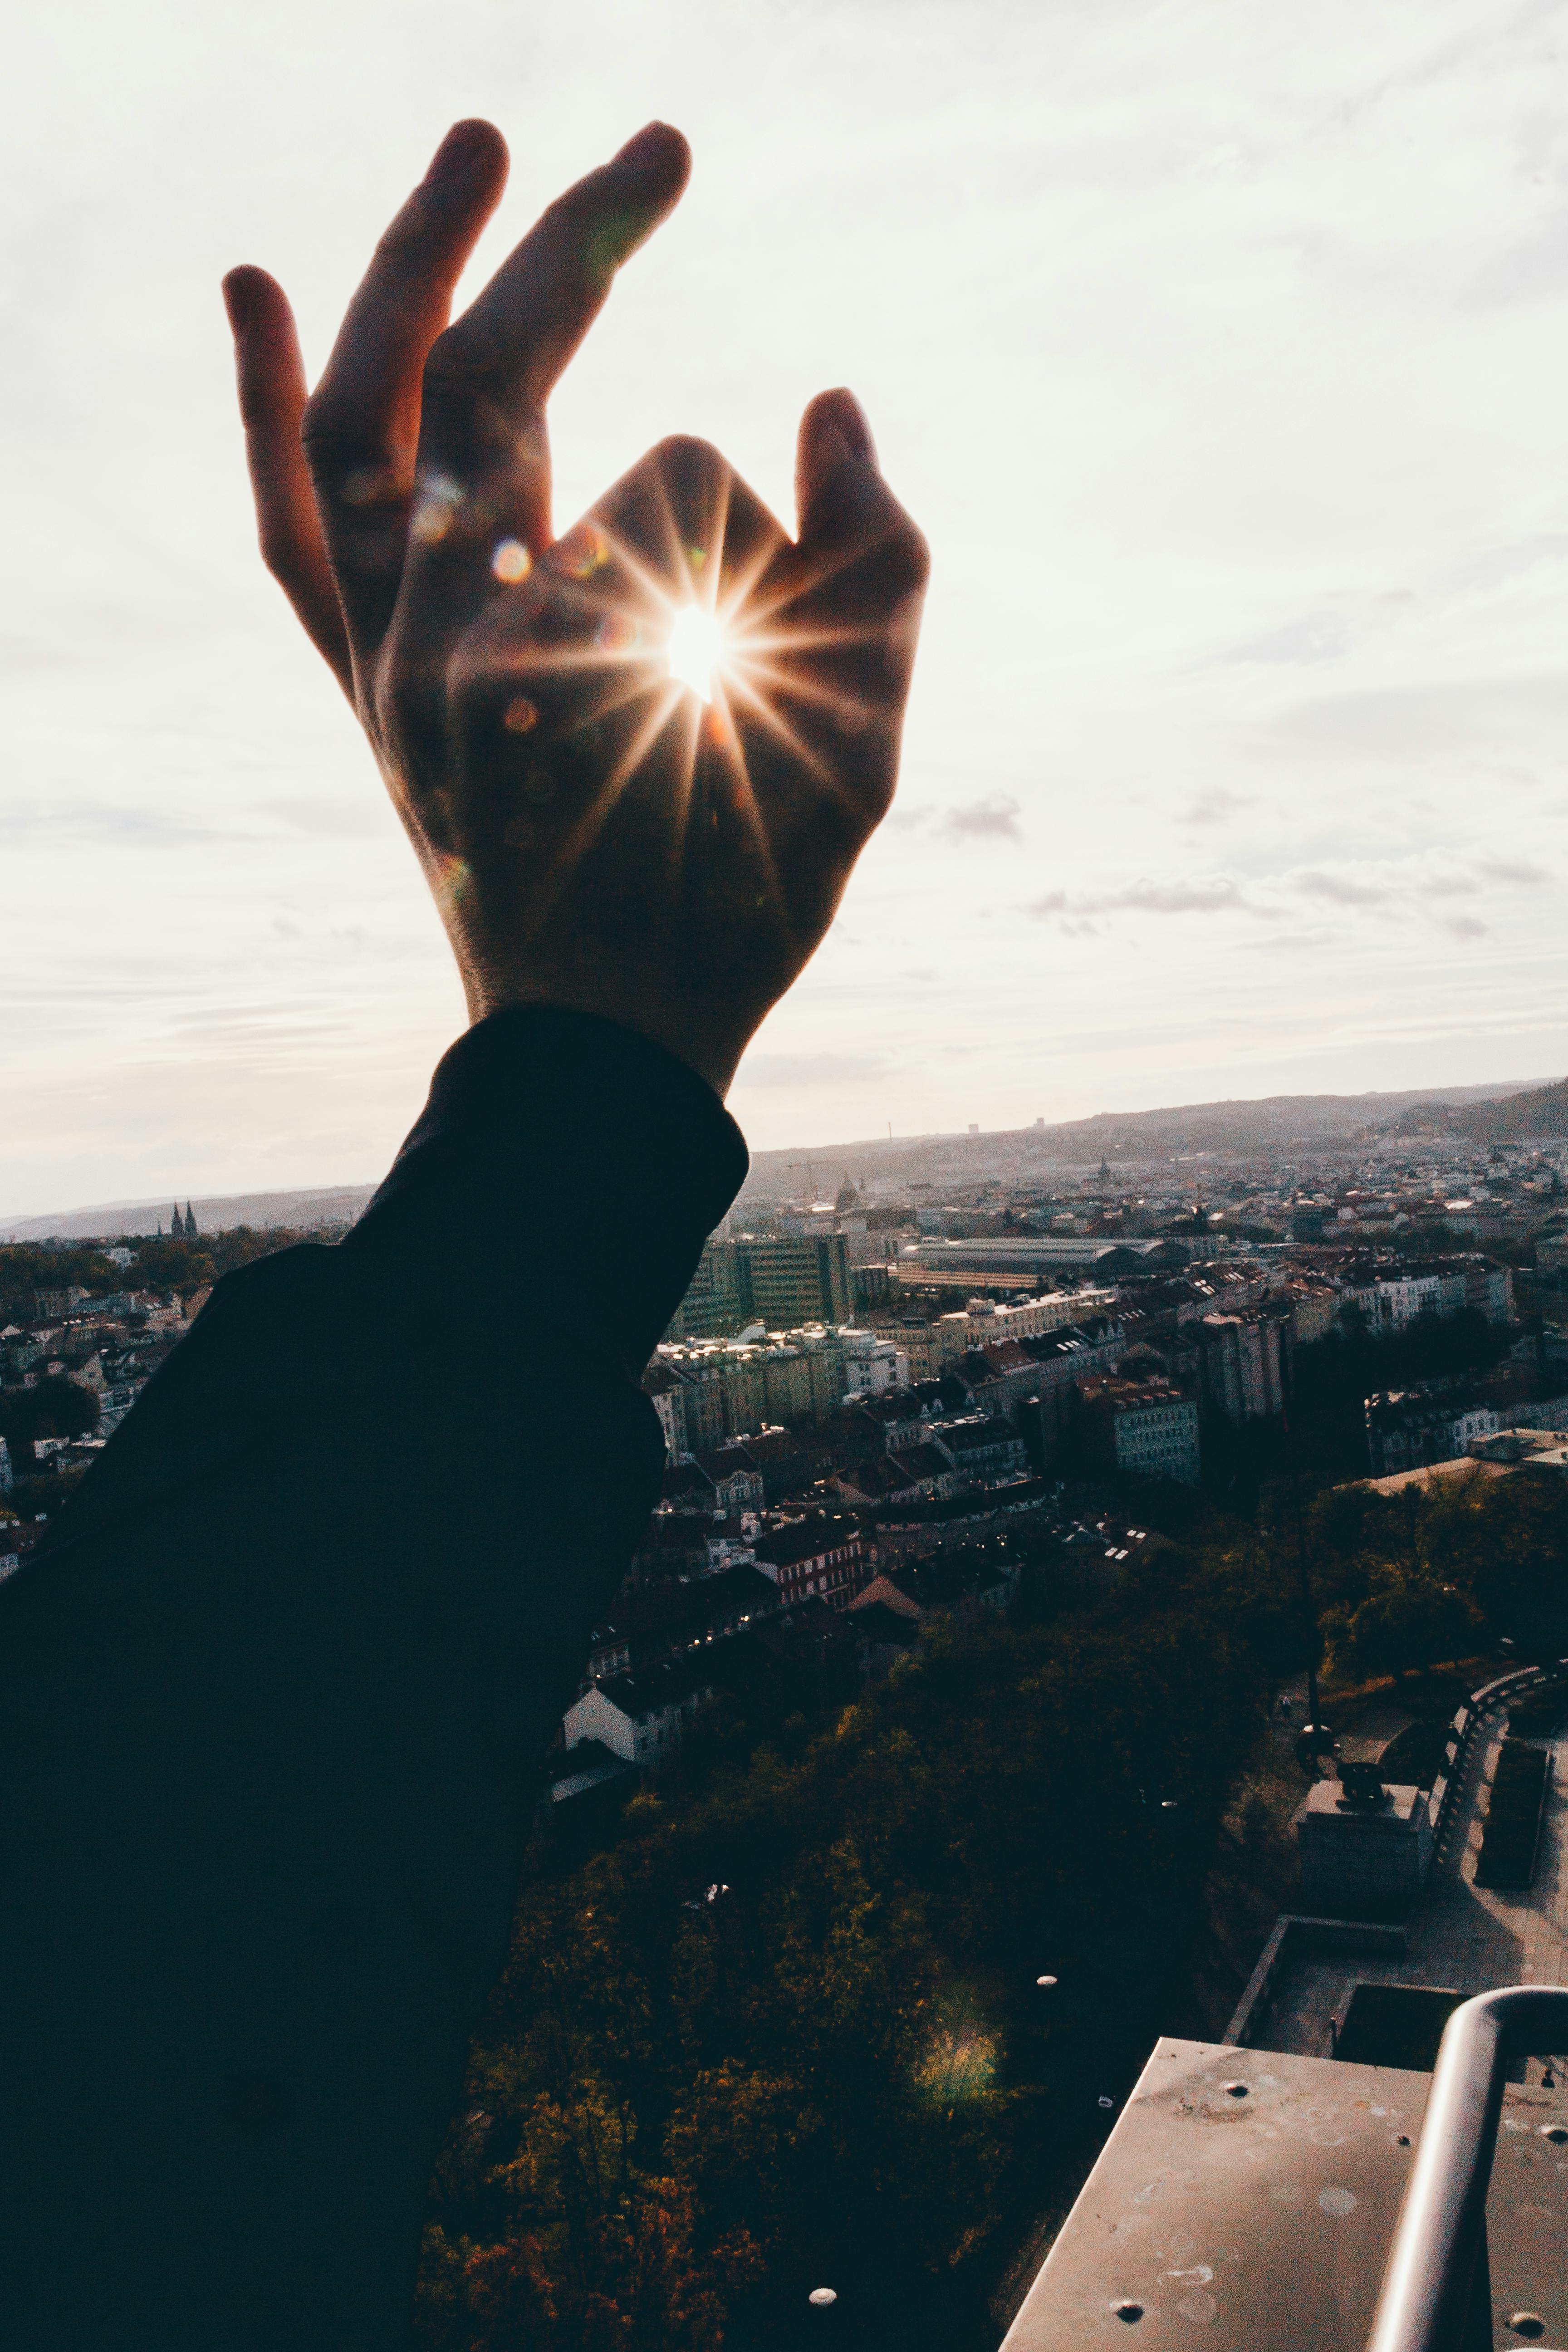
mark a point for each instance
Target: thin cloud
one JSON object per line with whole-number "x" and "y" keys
{"x": 1214, "y": 806}
{"x": 994, "y": 818}
{"x": 1465, "y": 927}
{"x": 1514, "y": 869}
{"x": 1342, "y": 888}
{"x": 1194, "y": 895}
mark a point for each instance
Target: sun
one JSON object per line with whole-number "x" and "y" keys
{"x": 696, "y": 643}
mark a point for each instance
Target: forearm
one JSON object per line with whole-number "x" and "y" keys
{"x": 271, "y": 1704}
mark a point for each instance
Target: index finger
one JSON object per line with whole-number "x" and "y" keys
{"x": 487, "y": 379}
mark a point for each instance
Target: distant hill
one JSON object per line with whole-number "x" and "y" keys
{"x": 1234, "y": 1129}
{"x": 1518, "y": 1118}
{"x": 1231, "y": 1128}
{"x": 330, "y": 1205}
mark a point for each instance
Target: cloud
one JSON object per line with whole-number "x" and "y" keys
{"x": 1464, "y": 926}
{"x": 995, "y": 817}
{"x": 1195, "y": 894}
{"x": 1384, "y": 886}
{"x": 808, "y": 1070}
{"x": 1341, "y": 888}
{"x": 1316, "y": 638}
{"x": 1213, "y": 807}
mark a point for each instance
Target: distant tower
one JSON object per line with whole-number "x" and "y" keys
{"x": 177, "y": 1229}
{"x": 1104, "y": 1166}
{"x": 190, "y": 1223}
{"x": 848, "y": 1198}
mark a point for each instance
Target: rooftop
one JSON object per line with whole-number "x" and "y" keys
{"x": 1464, "y": 1937}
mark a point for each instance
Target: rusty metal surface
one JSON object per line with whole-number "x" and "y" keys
{"x": 1246, "y": 2202}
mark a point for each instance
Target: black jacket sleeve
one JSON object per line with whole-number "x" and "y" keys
{"x": 274, "y": 1697}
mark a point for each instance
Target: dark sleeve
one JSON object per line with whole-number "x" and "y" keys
{"x": 274, "y": 1696}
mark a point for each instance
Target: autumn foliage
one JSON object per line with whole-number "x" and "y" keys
{"x": 685, "y": 2113}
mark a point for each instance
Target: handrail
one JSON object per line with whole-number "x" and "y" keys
{"x": 1438, "y": 2252}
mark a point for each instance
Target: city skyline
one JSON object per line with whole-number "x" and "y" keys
{"x": 1221, "y": 357}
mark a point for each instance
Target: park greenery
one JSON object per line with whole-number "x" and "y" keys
{"x": 160, "y": 1265}
{"x": 686, "y": 2111}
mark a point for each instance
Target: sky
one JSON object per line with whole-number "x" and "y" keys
{"x": 1219, "y": 348}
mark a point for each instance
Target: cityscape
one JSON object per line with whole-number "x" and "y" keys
{"x": 1291, "y": 1401}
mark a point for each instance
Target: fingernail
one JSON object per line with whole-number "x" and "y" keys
{"x": 459, "y": 151}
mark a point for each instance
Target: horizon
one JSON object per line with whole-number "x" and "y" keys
{"x": 1235, "y": 741}
{"x": 149, "y": 1204}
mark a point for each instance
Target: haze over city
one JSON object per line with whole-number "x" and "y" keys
{"x": 1220, "y": 352}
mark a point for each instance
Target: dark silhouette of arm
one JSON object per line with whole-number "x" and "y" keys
{"x": 274, "y": 1696}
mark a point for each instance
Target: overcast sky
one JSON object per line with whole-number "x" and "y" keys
{"x": 1221, "y": 349}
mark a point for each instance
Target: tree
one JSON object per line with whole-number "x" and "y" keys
{"x": 53, "y": 1408}
{"x": 1409, "y": 1623}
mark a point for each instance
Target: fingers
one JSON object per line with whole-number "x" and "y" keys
{"x": 488, "y": 377}
{"x": 361, "y": 424}
{"x": 271, "y": 401}
{"x": 835, "y": 426}
{"x": 842, "y": 499}
{"x": 861, "y": 558}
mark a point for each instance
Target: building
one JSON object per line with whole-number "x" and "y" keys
{"x": 678, "y": 1619}
{"x": 1410, "y": 1429}
{"x": 1002, "y": 1379}
{"x": 874, "y": 1364}
{"x": 1313, "y": 1306}
{"x": 735, "y": 1478}
{"x": 1040, "y": 1257}
{"x": 821, "y": 1557}
{"x": 667, "y": 1390}
{"x": 711, "y": 1307}
{"x": 987, "y": 1320}
{"x": 788, "y": 1279}
{"x": 1146, "y": 1427}
{"x": 1064, "y": 1357}
{"x": 932, "y": 1346}
{"x": 1414, "y": 1428}
{"x": 1244, "y": 1362}
{"x": 980, "y": 1447}
{"x": 640, "y": 1717}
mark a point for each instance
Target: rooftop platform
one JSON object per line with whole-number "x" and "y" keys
{"x": 1460, "y": 1936}
{"x": 1246, "y": 2199}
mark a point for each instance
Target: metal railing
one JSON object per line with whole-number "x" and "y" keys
{"x": 1436, "y": 2288}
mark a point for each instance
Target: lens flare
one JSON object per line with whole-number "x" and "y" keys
{"x": 696, "y": 641}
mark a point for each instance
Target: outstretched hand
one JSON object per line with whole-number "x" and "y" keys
{"x": 638, "y": 763}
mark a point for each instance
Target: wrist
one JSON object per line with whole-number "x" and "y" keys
{"x": 705, "y": 1049}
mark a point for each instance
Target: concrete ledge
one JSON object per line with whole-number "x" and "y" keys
{"x": 1296, "y": 1934}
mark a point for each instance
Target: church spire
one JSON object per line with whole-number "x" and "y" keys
{"x": 177, "y": 1226}
{"x": 190, "y": 1223}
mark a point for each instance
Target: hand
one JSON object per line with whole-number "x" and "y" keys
{"x": 596, "y": 833}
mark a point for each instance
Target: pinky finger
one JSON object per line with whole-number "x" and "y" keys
{"x": 848, "y": 514}
{"x": 271, "y": 403}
